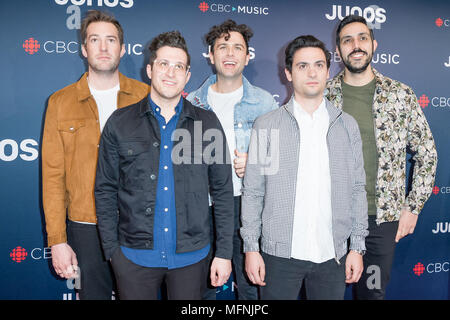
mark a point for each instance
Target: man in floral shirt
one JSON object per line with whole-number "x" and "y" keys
{"x": 391, "y": 122}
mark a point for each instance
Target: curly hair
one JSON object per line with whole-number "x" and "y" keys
{"x": 218, "y": 31}
{"x": 172, "y": 39}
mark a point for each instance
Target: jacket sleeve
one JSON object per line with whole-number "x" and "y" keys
{"x": 53, "y": 177}
{"x": 359, "y": 230}
{"x": 106, "y": 190}
{"x": 221, "y": 189}
{"x": 421, "y": 143}
{"x": 253, "y": 191}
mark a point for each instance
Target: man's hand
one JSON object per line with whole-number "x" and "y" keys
{"x": 406, "y": 224}
{"x": 240, "y": 162}
{"x": 255, "y": 268}
{"x": 220, "y": 271}
{"x": 353, "y": 267}
{"x": 64, "y": 261}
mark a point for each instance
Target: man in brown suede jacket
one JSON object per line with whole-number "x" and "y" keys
{"x": 74, "y": 120}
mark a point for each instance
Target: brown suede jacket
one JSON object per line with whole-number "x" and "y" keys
{"x": 70, "y": 150}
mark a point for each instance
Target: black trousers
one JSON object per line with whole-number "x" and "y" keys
{"x": 136, "y": 282}
{"x": 284, "y": 279}
{"x": 96, "y": 281}
{"x": 380, "y": 250}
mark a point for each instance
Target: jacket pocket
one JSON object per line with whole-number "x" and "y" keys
{"x": 71, "y": 126}
{"x": 134, "y": 164}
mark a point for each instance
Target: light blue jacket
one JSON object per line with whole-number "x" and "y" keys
{"x": 255, "y": 102}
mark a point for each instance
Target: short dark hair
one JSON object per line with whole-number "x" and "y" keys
{"x": 347, "y": 20}
{"x": 300, "y": 42}
{"x": 172, "y": 39}
{"x": 225, "y": 28}
{"x": 99, "y": 16}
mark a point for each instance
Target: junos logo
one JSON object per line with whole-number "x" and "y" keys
{"x": 250, "y": 49}
{"x": 441, "y": 227}
{"x": 373, "y": 14}
{"x": 10, "y": 150}
{"x": 108, "y": 3}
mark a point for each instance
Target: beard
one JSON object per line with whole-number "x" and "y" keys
{"x": 357, "y": 69}
{"x": 104, "y": 69}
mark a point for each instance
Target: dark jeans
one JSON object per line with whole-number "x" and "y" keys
{"x": 96, "y": 275}
{"x": 245, "y": 290}
{"x": 136, "y": 282}
{"x": 284, "y": 279}
{"x": 380, "y": 249}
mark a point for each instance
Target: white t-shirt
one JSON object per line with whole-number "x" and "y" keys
{"x": 312, "y": 238}
{"x": 223, "y": 106}
{"x": 106, "y": 103}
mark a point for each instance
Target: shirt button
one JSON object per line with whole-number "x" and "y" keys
{"x": 156, "y": 144}
{"x": 165, "y": 167}
{"x": 163, "y": 127}
{"x": 152, "y": 176}
{"x": 157, "y": 109}
{"x": 239, "y": 125}
{"x": 166, "y": 229}
{"x": 166, "y": 209}
{"x": 165, "y": 188}
{"x": 148, "y": 210}
{"x": 165, "y": 147}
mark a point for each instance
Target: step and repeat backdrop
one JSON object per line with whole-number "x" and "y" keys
{"x": 41, "y": 54}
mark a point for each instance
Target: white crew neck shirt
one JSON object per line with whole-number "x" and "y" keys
{"x": 106, "y": 101}
{"x": 223, "y": 106}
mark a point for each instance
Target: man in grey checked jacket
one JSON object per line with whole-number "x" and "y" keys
{"x": 304, "y": 188}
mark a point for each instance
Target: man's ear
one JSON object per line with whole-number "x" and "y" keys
{"x": 288, "y": 74}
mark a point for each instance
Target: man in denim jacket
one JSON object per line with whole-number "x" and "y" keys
{"x": 237, "y": 104}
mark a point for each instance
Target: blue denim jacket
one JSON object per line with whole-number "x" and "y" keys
{"x": 255, "y": 102}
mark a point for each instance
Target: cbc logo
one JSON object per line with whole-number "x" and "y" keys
{"x": 442, "y": 22}
{"x": 26, "y": 150}
{"x": 19, "y": 254}
{"x": 437, "y": 102}
{"x": 31, "y": 46}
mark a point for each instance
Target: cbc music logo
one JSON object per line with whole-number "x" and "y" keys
{"x": 20, "y": 254}
{"x": 378, "y": 58}
{"x": 443, "y": 190}
{"x": 442, "y": 22}
{"x": 227, "y": 8}
{"x": 434, "y": 267}
{"x": 31, "y": 46}
{"x": 437, "y": 102}
{"x": 373, "y": 14}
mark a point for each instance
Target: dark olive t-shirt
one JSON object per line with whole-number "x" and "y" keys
{"x": 358, "y": 102}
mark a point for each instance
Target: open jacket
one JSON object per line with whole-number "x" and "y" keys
{"x": 268, "y": 201}
{"x": 69, "y": 153}
{"x": 127, "y": 179}
{"x": 255, "y": 102}
{"x": 399, "y": 125}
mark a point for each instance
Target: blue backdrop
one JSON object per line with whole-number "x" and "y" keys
{"x": 41, "y": 54}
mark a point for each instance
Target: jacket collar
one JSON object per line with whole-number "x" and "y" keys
{"x": 84, "y": 92}
{"x": 335, "y": 85}
{"x": 333, "y": 112}
{"x": 188, "y": 110}
{"x": 250, "y": 94}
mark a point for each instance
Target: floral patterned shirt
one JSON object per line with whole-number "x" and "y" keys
{"x": 400, "y": 125}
